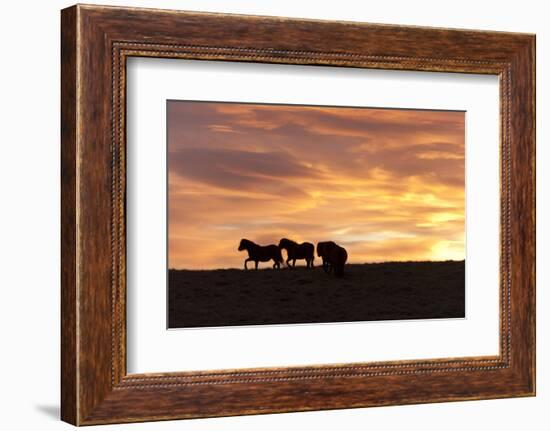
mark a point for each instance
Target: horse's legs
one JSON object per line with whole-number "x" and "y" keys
{"x": 245, "y": 261}
{"x": 288, "y": 262}
{"x": 256, "y": 262}
{"x": 294, "y": 263}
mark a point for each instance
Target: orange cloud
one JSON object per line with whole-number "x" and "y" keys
{"x": 387, "y": 184}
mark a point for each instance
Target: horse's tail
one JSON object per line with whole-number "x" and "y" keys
{"x": 310, "y": 251}
{"x": 341, "y": 262}
{"x": 278, "y": 255}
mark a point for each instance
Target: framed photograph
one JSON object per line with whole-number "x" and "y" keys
{"x": 373, "y": 196}
{"x": 263, "y": 214}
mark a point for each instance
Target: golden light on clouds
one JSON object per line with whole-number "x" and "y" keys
{"x": 387, "y": 184}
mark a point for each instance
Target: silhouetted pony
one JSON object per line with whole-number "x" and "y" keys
{"x": 322, "y": 251}
{"x": 259, "y": 253}
{"x": 334, "y": 257}
{"x": 296, "y": 251}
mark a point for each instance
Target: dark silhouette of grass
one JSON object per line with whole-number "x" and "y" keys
{"x": 376, "y": 291}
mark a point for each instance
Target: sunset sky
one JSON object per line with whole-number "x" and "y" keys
{"x": 386, "y": 184}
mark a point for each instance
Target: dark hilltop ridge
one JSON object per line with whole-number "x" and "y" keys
{"x": 367, "y": 292}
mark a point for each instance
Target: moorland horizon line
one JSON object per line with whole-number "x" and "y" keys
{"x": 320, "y": 266}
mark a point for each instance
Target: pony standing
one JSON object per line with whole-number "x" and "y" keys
{"x": 296, "y": 251}
{"x": 258, "y": 253}
{"x": 323, "y": 249}
{"x": 334, "y": 257}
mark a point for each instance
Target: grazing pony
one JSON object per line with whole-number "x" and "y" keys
{"x": 305, "y": 250}
{"x": 334, "y": 257}
{"x": 259, "y": 253}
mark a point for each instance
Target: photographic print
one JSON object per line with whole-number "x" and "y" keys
{"x": 287, "y": 214}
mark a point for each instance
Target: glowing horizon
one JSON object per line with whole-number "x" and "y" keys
{"x": 386, "y": 184}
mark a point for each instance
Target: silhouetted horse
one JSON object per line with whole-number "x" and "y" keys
{"x": 334, "y": 257}
{"x": 322, "y": 251}
{"x": 296, "y": 251}
{"x": 258, "y": 253}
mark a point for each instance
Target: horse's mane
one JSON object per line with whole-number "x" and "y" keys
{"x": 286, "y": 241}
{"x": 246, "y": 243}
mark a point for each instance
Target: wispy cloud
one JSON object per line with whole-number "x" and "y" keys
{"x": 388, "y": 184}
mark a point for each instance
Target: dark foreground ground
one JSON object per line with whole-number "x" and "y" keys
{"x": 383, "y": 291}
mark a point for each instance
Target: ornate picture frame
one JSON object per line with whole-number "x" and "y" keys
{"x": 96, "y": 41}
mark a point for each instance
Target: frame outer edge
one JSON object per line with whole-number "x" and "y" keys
{"x": 69, "y": 301}
{"x": 524, "y": 214}
{"x": 530, "y": 63}
{"x": 88, "y": 397}
{"x": 532, "y": 101}
{"x": 533, "y": 53}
